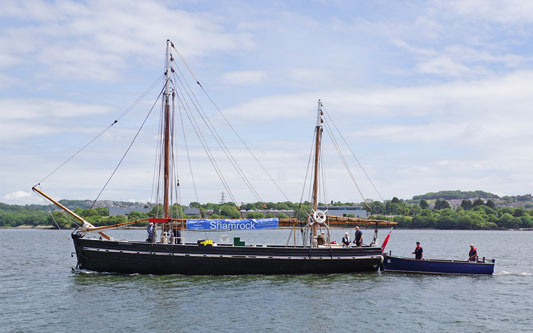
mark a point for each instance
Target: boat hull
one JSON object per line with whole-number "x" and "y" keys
{"x": 435, "y": 266}
{"x": 192, "y": 259}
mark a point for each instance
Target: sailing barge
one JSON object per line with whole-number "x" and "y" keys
{"x": 104, "y": 254}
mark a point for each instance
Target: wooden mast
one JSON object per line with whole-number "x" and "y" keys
{"x": 318, "y": 130}
{"x": 166, "y": 135}
{"x": 166, "y": 143}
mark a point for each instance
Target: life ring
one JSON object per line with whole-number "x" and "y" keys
{"x": 319, "y": 216}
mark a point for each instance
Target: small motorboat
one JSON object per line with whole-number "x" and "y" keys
{"x": 437, "y": 266}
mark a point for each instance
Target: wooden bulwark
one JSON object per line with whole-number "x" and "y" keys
{"x": 340, "y": 221}
{"x": 332, "y": 221}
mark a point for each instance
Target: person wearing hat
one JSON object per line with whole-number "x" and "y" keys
{"x": 150, "y": 231}
{"x": 419, "y": 251}
{"x": 472, "y": 255}
{"x": 346, "y": 241}
{"x": 321, "y": 239}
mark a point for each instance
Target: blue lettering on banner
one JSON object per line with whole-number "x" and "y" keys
{"x": 223, "y": 224}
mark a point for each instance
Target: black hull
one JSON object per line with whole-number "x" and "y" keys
{"x": 191, "y": 259}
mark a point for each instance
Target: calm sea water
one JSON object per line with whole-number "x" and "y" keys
{"x": 40, "y": 293}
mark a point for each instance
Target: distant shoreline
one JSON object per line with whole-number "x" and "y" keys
{"x": 51, "y": 227}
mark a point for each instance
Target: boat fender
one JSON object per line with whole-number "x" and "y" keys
{"x": 319, "y": 216}
{"x": 205, "y": 242}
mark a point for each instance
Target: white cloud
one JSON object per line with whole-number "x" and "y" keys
{"x": 34, "y": 108}
{"x": 94, "y": 41}
{"x": 17, "y": 195}
{"x": 6, "y": 80}
{"x": 307, "y": 74}
{"x": 509, "y": 11}
{"x": 32, "y": 117}
{"x": 7, "y": 60}
{"x": 245, "y": 77}
{"x": 272, "y": 107}
{"x": 477, "y": 100}
{"x": 22, "y": 198}
{"x": 445, "y": 66}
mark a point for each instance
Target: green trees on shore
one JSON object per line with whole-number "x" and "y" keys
{"x": 13, "y": 216}
{"x": 469, "y": 215}
{"x": 424, "y": 213}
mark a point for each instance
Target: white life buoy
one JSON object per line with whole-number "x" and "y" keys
{"x": 319, "y": 216}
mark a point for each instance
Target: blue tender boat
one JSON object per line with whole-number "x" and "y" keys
{"x": 437, "y": 266}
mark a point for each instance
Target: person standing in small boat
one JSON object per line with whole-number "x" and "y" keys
{"x": 419, "y": 251}
{"x": 472, "y": 255}
{"x": 358, "y": 237}
{"x": 346, "y": 241}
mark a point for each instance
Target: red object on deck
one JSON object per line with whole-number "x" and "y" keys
{"x": 385, "y": 241}
{"x": 159, "y": 220}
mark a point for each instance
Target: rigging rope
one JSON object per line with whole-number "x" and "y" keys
{"x": 77, "y": 152}
{"x": 188, "y": 155}
{"x": 323, "y": 178}
{"x": 157, "y": 165}
{"x": 127, "y": 150}
{"x": 306, "y": 174}
{"x": 218, "y": 138}
{"x": 50, "y": 212}
{"x": 206, "y": 148}
{"x": 126, "y": 111}
{"x": 229, "y": 123}
{"x": 245, "y": 145}
{"x": 174, "y": 175}
{"x": 49, "y": 208}
{"x": 352, "y": 153}
{"x": 337, "y": 147}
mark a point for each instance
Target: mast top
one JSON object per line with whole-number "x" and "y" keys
{"x": 319, "y": 114}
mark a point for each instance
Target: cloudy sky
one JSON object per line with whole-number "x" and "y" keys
{"x": 430, "y": 95}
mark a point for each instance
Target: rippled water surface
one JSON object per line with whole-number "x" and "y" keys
{"x": 40, "y": 293}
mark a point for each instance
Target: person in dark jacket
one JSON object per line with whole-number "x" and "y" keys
{"x": 358, "y": 237}
{"x": 419, "y": 251}
{"x": 472, "y": 255}
{"x": 176, "y": 233}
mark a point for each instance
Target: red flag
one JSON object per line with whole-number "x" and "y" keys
{"x": 385, "y": 241}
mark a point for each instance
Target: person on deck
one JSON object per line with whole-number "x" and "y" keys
{"x": 419, "y": 251}
{"x": 176, "y": 232}
{"x": 346, "y": 241}
{"x": 472, "y": 255}
{"x": 150, "y": 231}
{"x": 358, "y": 237}
{"x": 321, "y": 239}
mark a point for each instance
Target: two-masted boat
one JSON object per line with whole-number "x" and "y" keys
{"x": 99, "y": 252}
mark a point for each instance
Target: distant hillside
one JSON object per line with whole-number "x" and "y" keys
{"x": 72, "y": 204}
{"x": 84, "y": 204}
{"x": 449, "y": 195}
